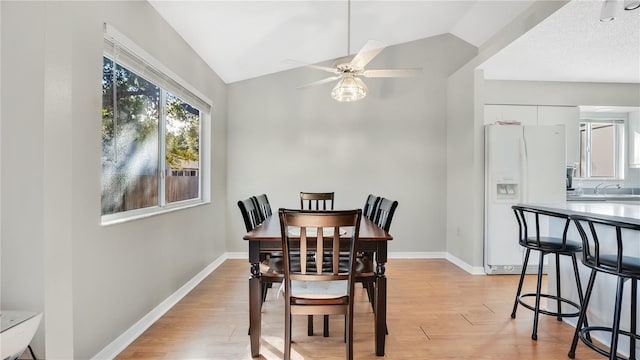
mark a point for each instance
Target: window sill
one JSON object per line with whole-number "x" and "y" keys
{"x": 114, "y": 219}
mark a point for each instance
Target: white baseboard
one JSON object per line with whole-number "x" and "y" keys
{"x": 237, "y": 255}
{"x": 121, "y": 342}
{"x": 473, "y": 270}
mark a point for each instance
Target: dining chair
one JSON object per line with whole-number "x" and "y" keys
{"x": 384, "y": 213}
{"x": 316, "y": 201}
{"x": 249, "y": 213}
{"x": 312, "y": 289}
{"x": 271, "y": 265}
{"x": 262, "y": 204}
{"x": 370, "y": 207}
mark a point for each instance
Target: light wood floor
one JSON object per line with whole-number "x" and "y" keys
{"x": 435, "y": 311}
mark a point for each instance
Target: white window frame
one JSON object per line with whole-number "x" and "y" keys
{"x": 136, "y": 59}
{"x": 619, "y": 120}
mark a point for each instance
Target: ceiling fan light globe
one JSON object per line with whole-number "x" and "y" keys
{"x": 609, "y": 10}
{"x": 631, "y": 4}
{"x": 349, "y": 88}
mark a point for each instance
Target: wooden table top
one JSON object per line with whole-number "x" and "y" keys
{"x": 269, "y": 230}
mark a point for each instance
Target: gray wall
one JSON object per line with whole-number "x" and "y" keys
{"x": 282, "y": 140}
{"x": 92, "y": 282}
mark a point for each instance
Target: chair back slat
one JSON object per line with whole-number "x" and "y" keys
{"x": 316, "y": 201}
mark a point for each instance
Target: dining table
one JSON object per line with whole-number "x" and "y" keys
{"x": 266, "y": 238}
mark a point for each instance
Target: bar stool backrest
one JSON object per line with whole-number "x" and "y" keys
{"x": 610, "y": 246}
{"x": 529, "y": 224}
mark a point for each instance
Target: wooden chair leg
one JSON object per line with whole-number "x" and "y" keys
{"x": 309, "y": 325}
{"x": 287, "y": 333}
{"x": 325, "y": 332}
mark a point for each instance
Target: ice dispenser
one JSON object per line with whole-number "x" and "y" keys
{"x": 506, "y": 191}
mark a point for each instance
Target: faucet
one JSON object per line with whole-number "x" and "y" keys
{"x": 599, "y": 187}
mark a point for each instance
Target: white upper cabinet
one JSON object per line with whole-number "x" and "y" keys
{"x": 569, "y": 116}
{"x": 526, "y": 115}
{"x": 633, "y": 142}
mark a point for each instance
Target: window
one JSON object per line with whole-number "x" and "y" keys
{"x": 601, "y": 147}
{"x": 151, "y": 134}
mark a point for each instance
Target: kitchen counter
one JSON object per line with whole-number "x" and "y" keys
{"x": 600, "y": 309}
{"x": 624, "y": 211}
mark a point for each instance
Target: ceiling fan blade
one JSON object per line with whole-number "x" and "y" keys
{"x": 317, "y": 67}
{"x": 370, "y": 50}
{"x": 391, "y": 73}
{"x": 320, "y": 82}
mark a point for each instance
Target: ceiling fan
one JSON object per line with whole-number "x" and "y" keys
{"x": 348, "y": 71}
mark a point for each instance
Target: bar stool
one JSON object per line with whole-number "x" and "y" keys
{"x": 530, "y": 238}
{"x": 611, "y": 255}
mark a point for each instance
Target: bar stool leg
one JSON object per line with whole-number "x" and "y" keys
{"x": 634, "y": 316}
{"x": 583, "y": 314}
{"x": 559, "y": 303}
{"x": 616, "y": 319}
{"x": 534, "y": 335}
{"x": 580, "y": 294}
{"x": 524, "y": 270}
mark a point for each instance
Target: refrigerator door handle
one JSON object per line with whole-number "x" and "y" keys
{"x": 524, "y": 194}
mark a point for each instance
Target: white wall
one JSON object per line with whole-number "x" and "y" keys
{"x": 392, "y": 143}
{"x": 92, "y": 282}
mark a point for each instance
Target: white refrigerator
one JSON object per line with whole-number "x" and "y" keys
{"x": 523, "y": 164}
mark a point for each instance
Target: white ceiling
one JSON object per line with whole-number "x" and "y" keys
{"x": 242, "y": 39}
{"x": 245, "y": 39}
{"x": 573, "y": 45}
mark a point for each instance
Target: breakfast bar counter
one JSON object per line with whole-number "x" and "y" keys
{"x": 601, "y": 305}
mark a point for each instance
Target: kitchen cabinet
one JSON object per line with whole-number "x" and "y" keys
{"x": 526, "y": 115}
{"x": 633, "y": 136}
{"x": 569, "y": 116}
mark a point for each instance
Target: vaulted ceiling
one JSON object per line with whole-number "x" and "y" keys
{"x": 244, "y": 39}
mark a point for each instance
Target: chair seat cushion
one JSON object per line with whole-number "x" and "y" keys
{"x": 554, "y": 244}
{"x": 319, "y": 289}
{"x": 630, "y": 264}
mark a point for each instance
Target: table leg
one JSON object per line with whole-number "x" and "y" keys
{"x": 255, "y": 315}
{"x": 380, "y": 308}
